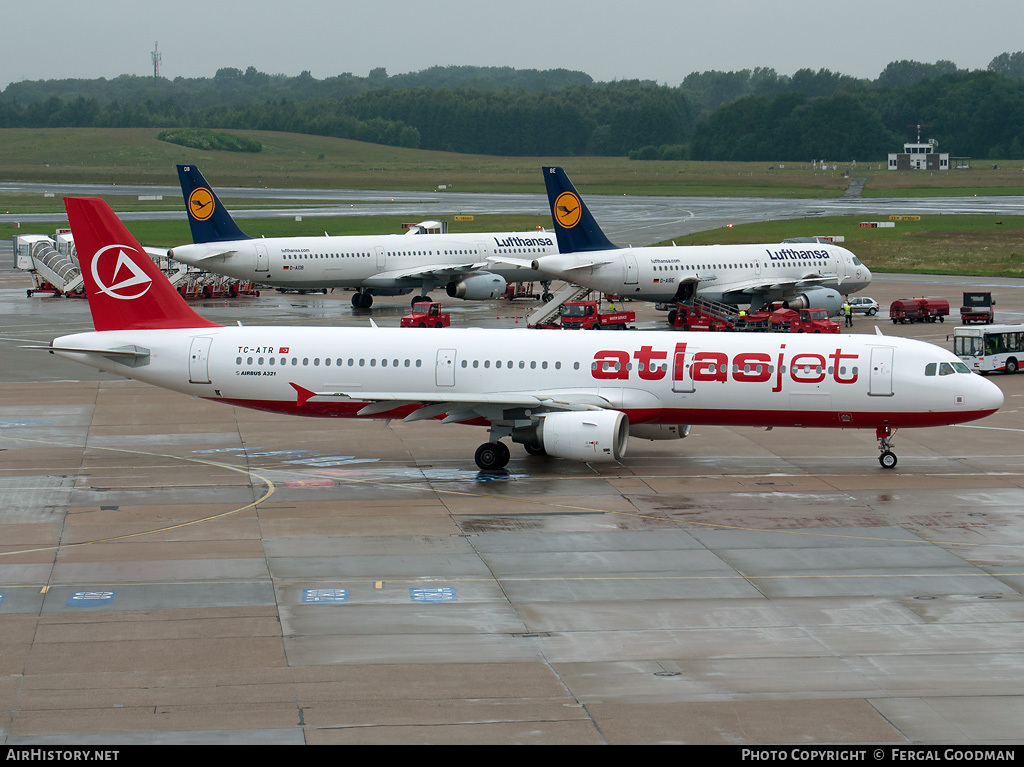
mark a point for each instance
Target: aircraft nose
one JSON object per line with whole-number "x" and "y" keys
{"x": 989, "y": 396}
{"x": 866, "y": 277}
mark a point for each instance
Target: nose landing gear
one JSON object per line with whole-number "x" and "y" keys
{"x": 888, "y": 458}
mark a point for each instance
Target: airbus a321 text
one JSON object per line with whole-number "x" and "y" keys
{"x": 801, "y": 274}
{"x": 570, "y": 395}
{"x": 382, "y": 264}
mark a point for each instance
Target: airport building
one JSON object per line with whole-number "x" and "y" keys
{"x": 919, "y": 156}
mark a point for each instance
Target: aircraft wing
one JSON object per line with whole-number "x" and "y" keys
{"x": 429, "y": 270}
{"x": 461, "y": 407}
{"x": 810, "y": 280}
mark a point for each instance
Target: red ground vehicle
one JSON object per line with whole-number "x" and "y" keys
{"x": 977, "y": 307}
{"x": 904, "y": 310}
{"x": 704, "y": 315}
{"x": 516, "y": 290}
{"x": 802, "y": 321}
{"x": 588, "y": 316}
{"x": 426, "y": 314}
{"x": 701, "y": 318}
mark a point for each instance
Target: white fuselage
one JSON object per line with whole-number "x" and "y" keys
{"x": 390, "y": 262}
{"x": 844, "y": 381}
{"x": 726, "y": 273}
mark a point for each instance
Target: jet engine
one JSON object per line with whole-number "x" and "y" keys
{"x": 654, "y": 431}
{"x": 588, "y": 435}
{"x": 479, "y": 287}
{"x": 817, "y": 298}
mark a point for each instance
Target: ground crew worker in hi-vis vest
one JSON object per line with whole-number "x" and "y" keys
{"x": 848, "y": 313}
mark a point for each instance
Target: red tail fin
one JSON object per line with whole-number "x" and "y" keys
{"x": 126, "y": 290}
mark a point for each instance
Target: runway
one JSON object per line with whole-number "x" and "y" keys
{"x": 627, "y": 220}
{"x": 178, "y": 571}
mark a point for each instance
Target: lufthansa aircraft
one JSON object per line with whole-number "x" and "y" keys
{"x": 801, "y": 274}
{"x": 567, "y": 394}
{"x": 386, "y": 265}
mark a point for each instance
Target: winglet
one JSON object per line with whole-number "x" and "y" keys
{"x": 207, "y": 216}
{"x": 575, "y": 227}
{"x": 304, "y": 394}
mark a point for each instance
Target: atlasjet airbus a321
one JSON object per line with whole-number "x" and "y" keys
{"x": 568, "y": 394}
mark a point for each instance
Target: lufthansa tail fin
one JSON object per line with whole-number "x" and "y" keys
{"x": 126, "y": 289}
{"x": 209, "y": 219}
{"x": 575, "y": 227}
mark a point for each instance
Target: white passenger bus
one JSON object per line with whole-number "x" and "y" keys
{"x": 989, "y": 348}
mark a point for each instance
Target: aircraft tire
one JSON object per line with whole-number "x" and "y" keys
{"x": 887, "y": 460}
{"x": 492, "y": 456}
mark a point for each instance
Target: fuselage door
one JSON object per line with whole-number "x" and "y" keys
{"x": 631, "y": 271}
{"x": 381, "y": 257}
{"x": 880, "y": 382}
{"x": 445, "y": 373}
{"x": 262, "y": 261}
{"x": 199, "y": 360}
{"x": 682, "y": 370}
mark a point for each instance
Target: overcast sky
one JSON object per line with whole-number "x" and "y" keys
{"x": 661, "y": 40}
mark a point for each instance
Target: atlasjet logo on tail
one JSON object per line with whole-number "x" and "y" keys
{"x": 200, "y": 204}
{"x": 124, "y": 275}
{"x": 567, "y": 210}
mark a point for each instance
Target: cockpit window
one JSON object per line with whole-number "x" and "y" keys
{"x": 857, "y": 262}
{"x": 961, "y": 368}
{"x": 945, "y": 369}
{"x": 929, "y": 369}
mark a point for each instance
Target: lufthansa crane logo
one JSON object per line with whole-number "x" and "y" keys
{"x": 200, "y": 204}
{"x": 125, "y": 280}
{"x": 567, "y": 210}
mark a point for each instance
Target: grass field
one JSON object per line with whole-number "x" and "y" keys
{"x": 134, "y": 155}
{"x": 980, "y": 245}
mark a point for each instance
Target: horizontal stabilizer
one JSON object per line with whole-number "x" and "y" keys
{"x": 121, "y": 351}
{"x": 520, "y": 262}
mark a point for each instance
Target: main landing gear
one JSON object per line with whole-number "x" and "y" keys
{"x": 492, "y": 456}
{"x": 362, "y": 300}
{"x": 888, "y": 458}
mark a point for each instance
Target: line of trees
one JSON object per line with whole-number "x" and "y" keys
{"x": 745, "y": 115}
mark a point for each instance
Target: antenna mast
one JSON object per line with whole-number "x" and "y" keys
{"x": 156, "y": 55}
